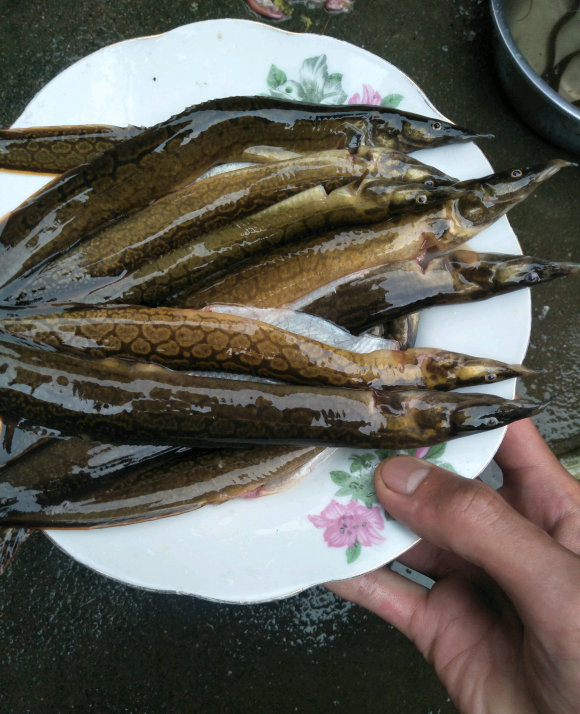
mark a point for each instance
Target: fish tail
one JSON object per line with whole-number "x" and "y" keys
{"x": 10, "y": 541}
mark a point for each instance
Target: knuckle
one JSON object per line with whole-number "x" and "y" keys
{"x": 476, "y": 503}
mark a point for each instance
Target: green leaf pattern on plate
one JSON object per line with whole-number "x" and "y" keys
{"x": 317, "y": 85}
{"x": 314, "y": 83}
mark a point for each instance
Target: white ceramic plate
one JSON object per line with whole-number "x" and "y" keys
{"x": 262, "y": 549}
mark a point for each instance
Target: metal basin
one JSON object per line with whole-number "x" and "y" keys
{"x": 534, "y": 99}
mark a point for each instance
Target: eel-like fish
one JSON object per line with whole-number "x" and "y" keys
{"x": 184, "y": 232}
{"x": 63, "y": 485}
{"x": 198, "y": 340}
{"x": 288, "y": 275}
{"x": 55, "y": 149}
{"x": 114, "y": 400}
{"x": 307, "y": 212}
{"x": 390, "y": 291}
{"x": 178, "y": 150}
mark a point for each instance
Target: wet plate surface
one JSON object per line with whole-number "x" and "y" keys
{"x": 329, "y": 526}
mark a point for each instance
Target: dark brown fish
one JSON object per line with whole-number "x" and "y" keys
{"x": 287, "y": 275}
{"x": 397, "y": 289}
{"x": 178, "y": 150}
{"x": 63, "y": 485}
{"x": 114, "y": 400}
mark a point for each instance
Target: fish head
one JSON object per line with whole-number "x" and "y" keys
{"x": 416, "y": 132}
{"x": 402, "y": 168}
{"x": 522, "y": 270}
{"x": 492, "y": 196}
{"x": 405, "y": 197}
{"x": 482, "y": 412}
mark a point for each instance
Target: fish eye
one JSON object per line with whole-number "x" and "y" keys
{"x": 491, "y": 377}
{"x": 517, "y": 173}
{"x": 429, "y": 183}
{"x": 532, "y": 277}
{"x": 436, "y": 125}
{"x": 421, "y": 198}
{"x": 491, "y": 421}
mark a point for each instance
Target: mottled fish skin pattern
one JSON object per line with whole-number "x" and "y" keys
{"x": 55, "y": 149}
{"x": 199, "y": 340}
{"x": 178, "y": 150}
{"x": 210, "y": 204}
{"x": 114, "y": 400}
{"x": 287, "y": 276}
{"x": 77, "y": 495}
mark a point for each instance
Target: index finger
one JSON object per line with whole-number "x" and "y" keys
{"x": 537, "y": 485}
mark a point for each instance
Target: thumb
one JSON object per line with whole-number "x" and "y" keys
{"x": 470, "y": 519}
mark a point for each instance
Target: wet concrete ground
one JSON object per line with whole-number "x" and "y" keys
{"x": 71, "y": 640}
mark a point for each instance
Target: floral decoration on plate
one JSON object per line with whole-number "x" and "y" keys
{"x": 316, "y": 85}
{"x": 357, "y": 523}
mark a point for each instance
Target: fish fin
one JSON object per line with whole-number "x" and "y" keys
{"x": 10, "y": 540}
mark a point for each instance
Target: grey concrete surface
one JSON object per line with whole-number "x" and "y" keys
{"x": 71, "y": 640}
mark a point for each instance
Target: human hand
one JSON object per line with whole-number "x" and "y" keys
{"x": 501, "y": 625}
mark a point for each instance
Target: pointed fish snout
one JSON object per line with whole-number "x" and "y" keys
{"x": 489, "y": 371}
{"x": 486, "y": 412}
{"x": 552, "y": 167}
{"x": 528, "y": 270}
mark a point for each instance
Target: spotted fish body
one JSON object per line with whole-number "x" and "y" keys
{"x": 54, "y": 149}
{"x": 194, "y": 340}
{"x": 114, "y": 400}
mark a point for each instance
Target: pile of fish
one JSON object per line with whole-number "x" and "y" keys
{"x": 118, "y": 282}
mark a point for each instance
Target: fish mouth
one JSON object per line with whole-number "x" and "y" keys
{"x": 527, "y": 270}
{"x": 468, "y": 134}
{"x": 552, "y": 167}
{"x": 489, "y": 371}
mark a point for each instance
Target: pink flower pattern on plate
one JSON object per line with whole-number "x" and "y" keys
{"x": 421, "y": 452}
{"x": 349, "y": 524}
{"x": 369, "y": 96}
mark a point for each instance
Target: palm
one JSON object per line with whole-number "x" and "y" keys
{"x": 471, "y": 636}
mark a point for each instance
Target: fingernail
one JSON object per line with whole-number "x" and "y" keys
{"x": 403, "y": 475}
